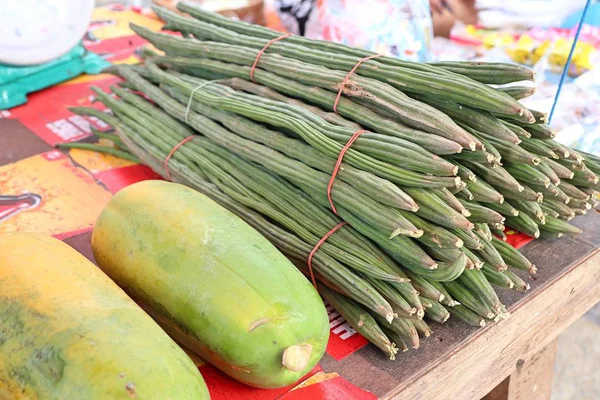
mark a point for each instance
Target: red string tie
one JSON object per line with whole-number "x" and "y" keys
{"x": 338, "y": 163}
{"x": 173, "y": 150}
{"x": 262, "y": 51}
{"x": 347, "y": 78}
{"x": 329, "y": 187}
{"x": 314, "y": 250}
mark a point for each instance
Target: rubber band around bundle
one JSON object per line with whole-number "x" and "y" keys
{"x": 338, "y": 163}
{"x": 173, "y": 150}
{"x": 189, "y": 103}
{"x": 314, "y": 250}
{"x": 336, "y": 169}
{"x": 347, "y": 78}
{"x": 262, "y": 51}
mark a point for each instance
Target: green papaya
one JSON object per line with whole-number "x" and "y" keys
{"x": 213, "y": 282}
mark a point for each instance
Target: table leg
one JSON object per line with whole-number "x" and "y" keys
{"x": 532, "y": 379}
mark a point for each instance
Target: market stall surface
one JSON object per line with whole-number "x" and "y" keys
{"x": 515, "y": 356}
{"x": 457, "y": 361}
{"x": 464, "y": 362}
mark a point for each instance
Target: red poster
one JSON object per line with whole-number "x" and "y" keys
{"x": 222, "y": 387}
{"x": 517, "y": 239}
{"x": 116, "y": 179}
{"x": 336, "y": 388}
{"x": 47, "y": 116}
{"x": 343, "y": 339}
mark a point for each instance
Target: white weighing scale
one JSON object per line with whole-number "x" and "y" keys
{"x": 41, "y": 46}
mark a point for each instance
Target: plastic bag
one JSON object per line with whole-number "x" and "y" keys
{"x": 524, "y": 13}
{"x": 576, "y": 117}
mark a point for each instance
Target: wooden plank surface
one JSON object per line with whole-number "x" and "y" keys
{"x": 17, "y": 142}
{"x": 500, "y": 392}
{"x": 462, "y": 362}
{"x": 532, "y": 380}
{"x": 455, "y": 362}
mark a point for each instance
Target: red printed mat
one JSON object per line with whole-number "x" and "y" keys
{"x": 62, "y": 193}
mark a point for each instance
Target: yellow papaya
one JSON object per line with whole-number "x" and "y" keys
{"x": 213, "y": 282}
{"x": 68, "y": 332}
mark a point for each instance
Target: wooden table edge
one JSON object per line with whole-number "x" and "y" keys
{"x": 411, "y": 389}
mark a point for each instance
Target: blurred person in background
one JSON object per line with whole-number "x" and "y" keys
{"x": 446, "y": 13}
{"x": 400, "y": 28}
{"x": 405, "y": 28}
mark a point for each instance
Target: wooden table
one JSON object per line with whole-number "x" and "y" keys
{"x": 514, "y": 357}
{"x": 511, "y": 359}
